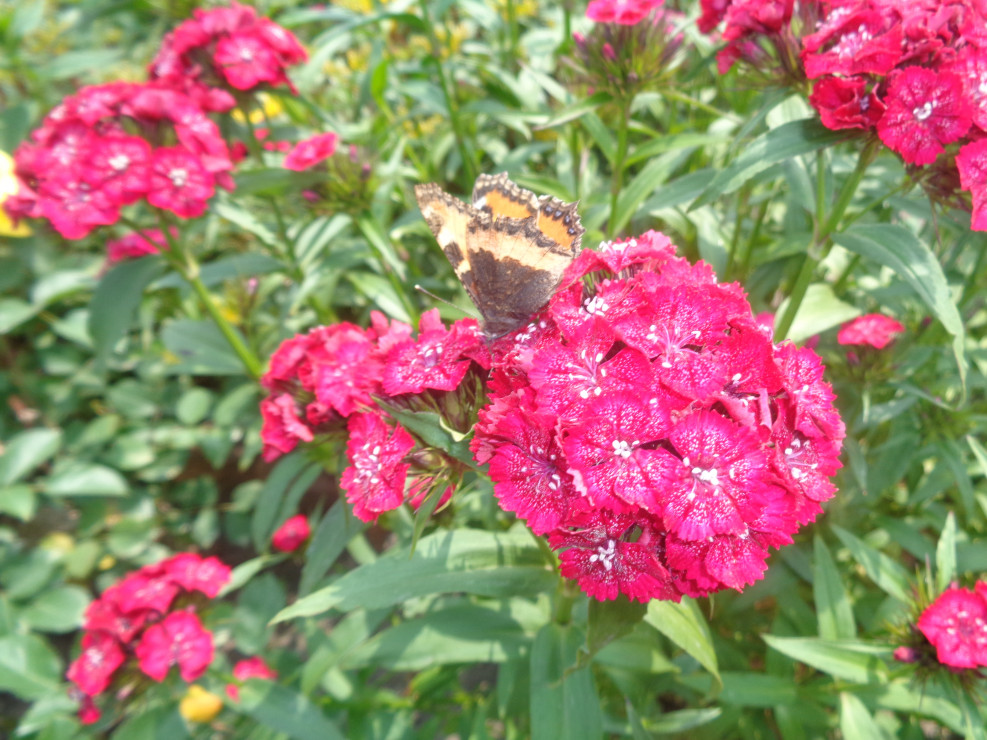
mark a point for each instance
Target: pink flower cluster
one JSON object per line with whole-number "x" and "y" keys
{"x": 226, "y": 49}
{"x": 622, "y": 12}
{"x": 649, "y": 427}
{"x": 331, "y": 379}
{"x": 956, "y": 625}
{"x": 109, "y": 146}
{"x": 149, "y": 617}
{"x": 914, "y": 73}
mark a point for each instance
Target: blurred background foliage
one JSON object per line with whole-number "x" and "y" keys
{"x": 131, "y": 430}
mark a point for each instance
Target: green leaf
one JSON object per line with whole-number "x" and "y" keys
{"x": 898, "y": 248}
{"x": 58, "y": 610}
{"x": 29, "y": 668}
{"x": 850, "y": 660}
{"x": 856, "y": 722}
{"x": 637, "y": 190}
{"x": 946, "y": 554}
{"x": 610, "y": 620}
{"x": 833, "y": 610}
{"x": 744, "y": 689}
{"x": 245, "y": 571}
{"x": 25, "y": 451}
{"x": 464, "y": 633}
{"x": 469, "y": 560}
{"x": 291, "y": 477}
{"x": 885, "y": 572}
{"x": 784, "y": 142}
{"x": 285, "y": 711}
{"x": 77, "y": 478}
{"x": 563, "y": 698}
{"x": 116, "y": 299}
{"x": 820, "y": 310}
{"x": 428, "y": 427}
{"x": 234, "y": 267}
{"x": 576, "y": 110}
{"x": 159, "y": 723}
{"x": 685, "y": 626}
{"x": 19, "y": 501}
{"x": 14, "y": 312}
{"x": 199, "y": 348}
{"x": 328, "y": 542}
{"x": 974, "y": 724}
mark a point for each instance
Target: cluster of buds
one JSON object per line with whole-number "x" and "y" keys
{"x": 651, "y": 429}
{"x": 344, "y": 380}
{"x": 143, "y": 625}
{"x": 631, "y": 46}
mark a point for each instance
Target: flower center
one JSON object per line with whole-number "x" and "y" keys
{"x": 178, "y": 177}
{"x": 605, "y": 555}
{"x": 120, "y": 162}
{"x": 923, "y": 112}
{"x": 624, "y": 449}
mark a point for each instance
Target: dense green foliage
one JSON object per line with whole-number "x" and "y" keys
{"x": 130, "y": 424}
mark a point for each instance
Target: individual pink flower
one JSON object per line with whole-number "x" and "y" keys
{"x": 375, "y": 479}
{"x": 195, "y": 573}
{"x": 873, "y": 329}
{"x": 622, "y": 12}
{"x": 439, "y": 358}
{"x": 254, "y": 667}
{"x": 925, "y": 111}
{"x": 956, "y": 624}
{"x": 93, "y": 670}
{"x": 292, "y": 534}
{"x": 178, "y": 639}
{"x": 853, "y": 40}
{"x": 311, "y": 151}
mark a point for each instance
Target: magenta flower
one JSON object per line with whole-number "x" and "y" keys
{"x": 374, "y": 482}
{"x": 438, "y": 358}
{"x": 637, "y": 421}
{"x": 925, "y": 111}
{"x": 178, "y": 639}
{"x": 195, "y": 573}
{"x": 311, "y": 151}
{"x": 956, "y": 624}
{"x": 846, "y": 103}
{"x": 292, "y": 534}
{"x": 853, "y": 41}
{"x": 93, "y": 670}
{"x": 282, "y": 429}
{"x": 622, "y": 12}
{"x": 135, "y": 244}
{"x": 873, "y": 329}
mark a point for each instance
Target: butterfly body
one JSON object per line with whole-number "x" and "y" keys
{"x": 509, "y": 247}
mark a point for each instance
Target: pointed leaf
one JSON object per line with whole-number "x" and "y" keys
{"x": 833, "y": 610}
{"x": 286, "y": 711}
{"x": 25, "y": 451}
{"x": 847, "y": 659}
{"x": 856, "y": 722}
{"x": 885, "y": 572}
{"x": 116, "y": 299}
{"x": 685, "y": 626}
{"x": 563, "y": 698}
{"x": 946, "y": 554}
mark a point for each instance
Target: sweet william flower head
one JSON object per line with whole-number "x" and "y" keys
{"x": 622, "y": 12}
{"x": 648, "y": 425}
{"x": 873, "y": 329}
{"x": 178, "y": 639}
{"x": 254, "y": 667}
{"x": 311, "y": 151}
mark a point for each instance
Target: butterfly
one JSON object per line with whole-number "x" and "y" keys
{"x": 509, "y": 248}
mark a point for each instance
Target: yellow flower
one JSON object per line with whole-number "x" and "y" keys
{"x": 9, "y": 186}
{"x": 199, "y": 705}
{"x": 270, "y": 107}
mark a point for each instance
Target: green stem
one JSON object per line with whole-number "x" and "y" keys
{"x": 822, "y": 241}
{"x": 186, "y": 265}
{"x": 452, "y": 103}
{"x": 618, "y": 165}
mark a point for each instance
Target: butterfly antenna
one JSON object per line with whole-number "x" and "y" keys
{"x": 430, "y": 294}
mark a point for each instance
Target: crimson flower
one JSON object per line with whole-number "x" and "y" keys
{"x": 646, "y": 423}
{"x": 873, "y": 329}
{"x": 292, "y": 534}
{"x": 971, "y": 161}
{"x": 956, "y": 624}
{"x": 311, "y": 151}
{"x": 374, "y": 481}
{"x": 925, "y": 111}
{"x": 135, "y": 244}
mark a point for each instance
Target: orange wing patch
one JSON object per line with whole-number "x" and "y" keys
{"x": 560, "y": 222}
